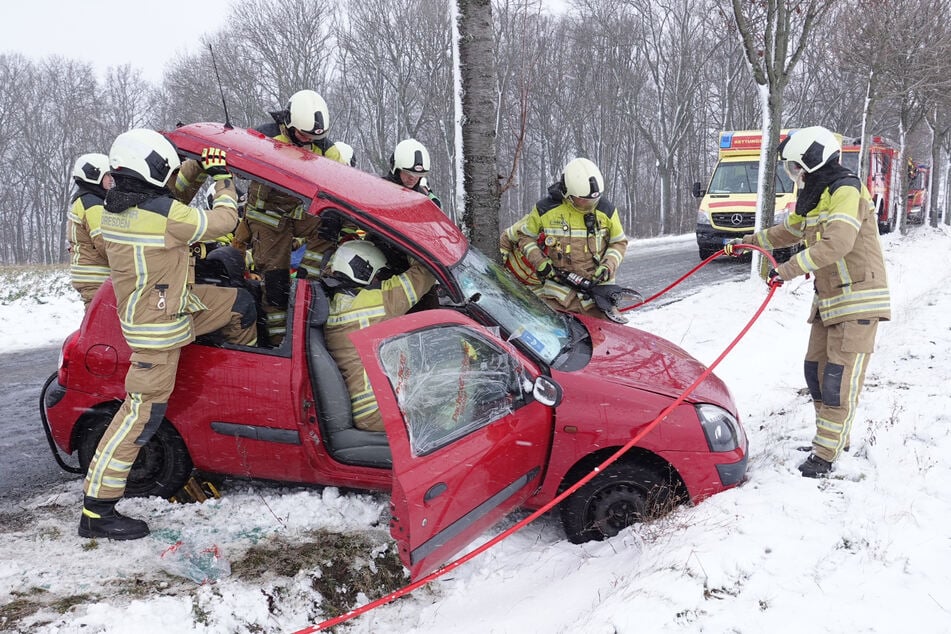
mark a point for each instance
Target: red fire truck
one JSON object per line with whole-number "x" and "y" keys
{"x": 882, "y": 176}
{"x": 918, "y": 193}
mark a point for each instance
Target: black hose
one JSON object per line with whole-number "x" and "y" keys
{"x": 49, "y": 432}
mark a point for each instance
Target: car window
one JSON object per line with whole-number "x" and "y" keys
{"x": 743, "y": 178}
{"x": 449, "y": 382}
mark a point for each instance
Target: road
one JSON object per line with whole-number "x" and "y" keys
{"x": 27, "y": 465}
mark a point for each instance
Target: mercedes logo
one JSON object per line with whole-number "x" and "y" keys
{"x": 736, "y": 219}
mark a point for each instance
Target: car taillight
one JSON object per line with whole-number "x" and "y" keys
{"x": 65, "y": 353}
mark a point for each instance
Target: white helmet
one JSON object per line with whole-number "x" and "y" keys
{"x": 357, "y": 260}
{"x": 410, "y": 155}
{"x": 307, "y": 112}
{"x": 810, "y": 148}
{"x": 91, "y": 168}
{"x": 582, "y": 179}
{"x": 346, "y": 153}
{"x": 144, "y": 154}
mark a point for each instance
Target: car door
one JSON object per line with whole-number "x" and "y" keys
{"x": 469, "y": 443}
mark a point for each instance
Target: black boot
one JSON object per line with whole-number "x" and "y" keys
{"x": 100, "y": 519}
{"x": 815, "y": 467}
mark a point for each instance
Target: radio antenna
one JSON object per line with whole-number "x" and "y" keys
{"x": 221, "y": 90}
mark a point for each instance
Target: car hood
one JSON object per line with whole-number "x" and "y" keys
{"x": 632, "y": 357}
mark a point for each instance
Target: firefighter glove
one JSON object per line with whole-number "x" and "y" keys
{"x": 215, "y": 164}
{"x": 545, "y": 269}
{"x": 773, "y": 280}
{"x": 734, "y": 248}
{"x": 601, "y": 274}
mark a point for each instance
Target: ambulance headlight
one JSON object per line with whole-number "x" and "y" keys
{"x": 702, "y": 218}
{"x": 723, "y": 431}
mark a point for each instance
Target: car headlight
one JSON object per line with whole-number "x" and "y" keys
{"x": 702, "y": 218}
{"x": 721, "y": 428}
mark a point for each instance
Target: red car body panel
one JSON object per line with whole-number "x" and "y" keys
{"x": 252, "y": 413}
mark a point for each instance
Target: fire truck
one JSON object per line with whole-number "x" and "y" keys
{"x": 918, "y": 193}
{"x": 882, "y": 176}
{"x": 728, "y": 204}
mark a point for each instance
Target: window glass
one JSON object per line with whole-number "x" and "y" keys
{"x": 449, "y": 382}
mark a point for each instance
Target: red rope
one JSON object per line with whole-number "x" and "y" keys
{"x": 577, "y": 485}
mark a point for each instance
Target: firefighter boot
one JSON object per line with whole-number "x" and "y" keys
{"x": 815, "y": 467}
{"x": 100, "y": 519}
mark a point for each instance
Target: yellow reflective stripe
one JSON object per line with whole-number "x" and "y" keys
{"x": 133, "y": 239}
{"x": 106, "y": 457}
{"x": 88, "y": 273}
{"x": 408, "y": 289}
{"x": 805, "y": 261}
{"x": 848, "y": 219}
{"x": 361, "y": 316}
{"x": 264, "y": 217}
{"x": 72, "y": 217}
{"x": 277, "y": 317}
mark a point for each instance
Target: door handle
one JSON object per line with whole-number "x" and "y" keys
{"x": 435, "y": 491}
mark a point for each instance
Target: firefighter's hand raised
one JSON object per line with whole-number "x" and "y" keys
{"x": 215, "y": 164}
{"x": 734, "y": 248}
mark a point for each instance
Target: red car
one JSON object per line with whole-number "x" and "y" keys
{"x": 491, "y": 400}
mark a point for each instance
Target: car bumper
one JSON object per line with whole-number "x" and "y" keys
{"x": 708, "y": 237}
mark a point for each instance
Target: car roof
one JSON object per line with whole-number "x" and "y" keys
{"x": 377, "y": 202}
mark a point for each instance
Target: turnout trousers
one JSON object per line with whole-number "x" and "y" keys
{"x": 149, "y": 384}
{"x": 835, "y": 364}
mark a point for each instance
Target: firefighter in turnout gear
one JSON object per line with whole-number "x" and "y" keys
{"x": 88, "y": 264}
{"x": 273, "y": 218}
{"x": 147, "y": 235}
{"x": 581, "y": 236}
{"x": 836, "y": 223}
{"x": 409, "y": 165}
{"x": 360, "y": 299}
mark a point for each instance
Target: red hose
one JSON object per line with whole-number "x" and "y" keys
{"x": 577, "y": 485}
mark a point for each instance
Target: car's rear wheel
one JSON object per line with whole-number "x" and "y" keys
{"x": 625, "y": 493}
{"x": 162, "y": 467}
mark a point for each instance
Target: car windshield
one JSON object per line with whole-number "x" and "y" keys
{"x": 513, "y": 306}
{"x": 743, "y": 178}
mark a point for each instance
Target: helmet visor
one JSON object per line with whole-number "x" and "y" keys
{"x": 584, "y": 204}
{"x": 794, "y": 170}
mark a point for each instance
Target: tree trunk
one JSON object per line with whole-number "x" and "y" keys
{"x": 480, "y": 219}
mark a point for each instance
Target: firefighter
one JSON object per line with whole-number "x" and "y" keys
{"x": 274, "y": 219}
{"x": 409, "y": 165}
{"x": 88, "y": 264}
{"x": 835, "y": 221}
{"x": 360, "y": 298}
{"x": 147, "y": 236}
{"x": 583, "y": 238}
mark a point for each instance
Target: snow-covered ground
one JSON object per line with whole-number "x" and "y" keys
{"x": 867, "y": 550}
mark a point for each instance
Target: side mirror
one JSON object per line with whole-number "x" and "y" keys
{"x": 547, "y": 392}
{"x": 697, "y": 192}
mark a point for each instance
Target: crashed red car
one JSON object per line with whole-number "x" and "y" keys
{"x": 490, "y": 399}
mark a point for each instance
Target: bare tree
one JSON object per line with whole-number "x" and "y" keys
{"x": 775, "y": 33}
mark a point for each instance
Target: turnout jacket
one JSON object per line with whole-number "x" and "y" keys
{"x": 266, "y": 204}
{"x": 575, "y": 241}
{"x": 153, "y": 272}
{"x": 88, "y": 264}
{"x": 357, "y": 308}
{"x": 842, "y": 251}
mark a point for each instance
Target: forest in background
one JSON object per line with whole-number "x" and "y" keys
{"x": 641, "y": 87}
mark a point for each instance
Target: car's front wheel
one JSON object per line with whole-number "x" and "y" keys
{"x": 162, "y": 467}
{"x": 623, "y": 494}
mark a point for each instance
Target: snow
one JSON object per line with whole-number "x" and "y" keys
{"x": 866, "y": 550}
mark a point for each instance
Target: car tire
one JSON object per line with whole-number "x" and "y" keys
{"x": 162, "y": 467}
{"x": 624, "y": 494}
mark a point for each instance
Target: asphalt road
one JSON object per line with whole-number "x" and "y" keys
{"x": 27, "y": 465}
